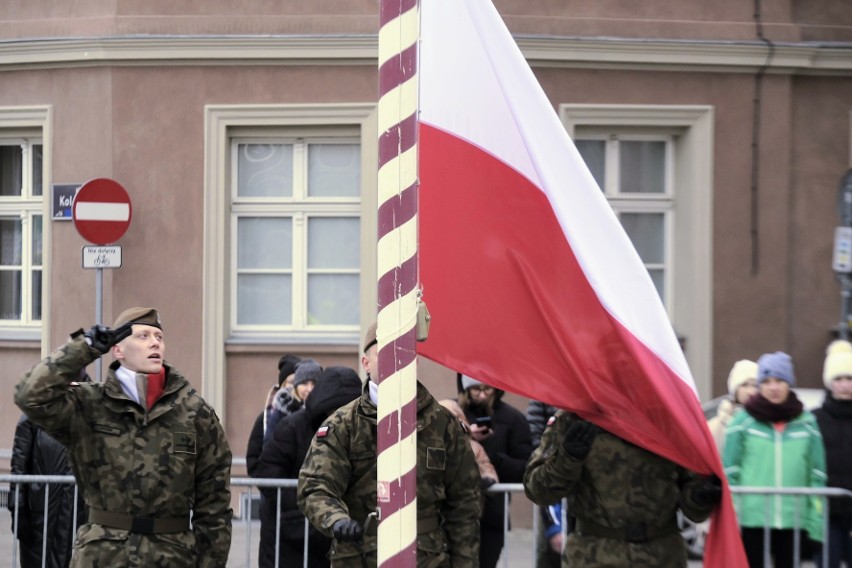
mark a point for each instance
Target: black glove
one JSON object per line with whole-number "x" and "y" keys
{"x": 578, "y": 438}
{"x": 707, "y": 492}
{"x": 346, "y": 530}
{"x": 103, "y": 338}
{"x": 486, "y": 482}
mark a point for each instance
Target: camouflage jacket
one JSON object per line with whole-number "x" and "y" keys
{"x": 618, "y": 486}
{"x": 164, "y": 462}
{"x": 338, "y": 481}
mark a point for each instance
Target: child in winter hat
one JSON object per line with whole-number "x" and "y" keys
{"x": 838, "y": 362}
{"x": 741, "y": 372}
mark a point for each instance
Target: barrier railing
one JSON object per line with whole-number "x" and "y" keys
{"x": 800, "y": 493}
{"x": 245, "y": 516}
{"x": 505, "y": 488}
{"x": 14, "y": 497}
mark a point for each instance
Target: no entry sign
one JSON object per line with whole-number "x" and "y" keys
{"x": 102, "y": 211}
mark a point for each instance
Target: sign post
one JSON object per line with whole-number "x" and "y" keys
{"x": 101, "y": 213}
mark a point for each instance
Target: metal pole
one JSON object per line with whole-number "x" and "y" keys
{"x": 396, "y": 488}
{"x": 843, "y": 327}
{"x": 845, "y": 211}
{"x": 99, "y": 315}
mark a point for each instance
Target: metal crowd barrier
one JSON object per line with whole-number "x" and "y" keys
{"x": 47, "y": 480}
{"x": 246, "y": 511}
{"x": 505, "y": 488}
{"x": 800, "y": 493}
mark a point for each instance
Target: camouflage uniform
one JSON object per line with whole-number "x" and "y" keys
{"x": 338, "y": 481}
{"x": 160, "y": 463}
{"x": 621, "y": 489}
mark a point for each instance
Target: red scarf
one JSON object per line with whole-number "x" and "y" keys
{"x": 156, "y": 385}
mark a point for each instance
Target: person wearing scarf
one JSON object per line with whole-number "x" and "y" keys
{"x": 775, "y": 443}
{"x": 835, "y": 422}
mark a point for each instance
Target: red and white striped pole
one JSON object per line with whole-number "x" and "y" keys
{"x": 397, "y": 284}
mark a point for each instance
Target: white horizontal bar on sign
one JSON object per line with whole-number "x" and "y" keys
{"x": 101, "y": 211}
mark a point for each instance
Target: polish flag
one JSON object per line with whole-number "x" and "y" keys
{"x": 533, "y": 285}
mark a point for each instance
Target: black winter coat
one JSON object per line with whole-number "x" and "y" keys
{"x": 509, "y": 449}
{"x": 34, "y": 452}
{"x": 255, "y": 446}
{"x": 282, "y": 458}
{"x": 835, "y": 423}
{"x": 538, "y": 413}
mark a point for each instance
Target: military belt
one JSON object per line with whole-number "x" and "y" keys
{"x": 424, "y": 525}
{"x": 636, "y": 533}
{"x": 139, "y": 525}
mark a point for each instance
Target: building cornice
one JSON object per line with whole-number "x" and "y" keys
{"x": 563, "y": 52}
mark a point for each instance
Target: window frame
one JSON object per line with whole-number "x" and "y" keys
{"x": 221, "y": 123}
{"x": 300, "y": 207}
{"x": 30, "y": 126}
{"x": 690, "y": 293}
{"x": 636, "y": 202}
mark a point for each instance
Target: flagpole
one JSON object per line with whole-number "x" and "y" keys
{"x": 397, "y": 285}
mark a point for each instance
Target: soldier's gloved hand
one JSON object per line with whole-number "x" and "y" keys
{"x": 103, "y": 338}
{"x": 578, "y": 438}
{"x": 347, "y": 530}
{"x": 708, "y": 491}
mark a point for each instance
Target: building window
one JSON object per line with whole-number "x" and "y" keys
{"x": 21, "y": 202}
{"x": 295, "y": 214}
{"x": 289, "y": 231}
{"x": 635, "y": 173}
{"x": 654, "y": 164}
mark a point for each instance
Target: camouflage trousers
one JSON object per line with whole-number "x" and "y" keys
{"x": 100, "y": 547}
{"x": 590, "y": 551}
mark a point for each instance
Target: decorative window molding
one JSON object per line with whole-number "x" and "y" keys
{"x": 25, "y": 149}
{"x": 225, "y": 124}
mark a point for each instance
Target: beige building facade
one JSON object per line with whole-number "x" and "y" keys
{"x": 245, "y": 134}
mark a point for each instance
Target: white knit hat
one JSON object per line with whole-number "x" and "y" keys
{"x": 742, "y": 371}
{"x": 838, "y": 346}
{"x": 837, "y": 364}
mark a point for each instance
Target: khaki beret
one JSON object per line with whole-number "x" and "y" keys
{"x": 143, "y": 316}
{"x": 370, "y": 337}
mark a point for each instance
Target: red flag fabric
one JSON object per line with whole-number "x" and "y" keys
{"x": 533, "y": 285}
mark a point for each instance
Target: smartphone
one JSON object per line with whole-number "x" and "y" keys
{"x": 484, "y": 421}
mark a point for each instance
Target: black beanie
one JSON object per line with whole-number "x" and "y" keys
{"x": 286, "y": 367}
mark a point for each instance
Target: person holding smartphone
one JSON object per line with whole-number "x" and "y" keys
{"x": 505, "y": 434}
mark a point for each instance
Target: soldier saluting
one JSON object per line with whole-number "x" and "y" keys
{"x": 147, "y": 451}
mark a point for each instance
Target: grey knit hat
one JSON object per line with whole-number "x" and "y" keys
{"x": 468, "y": 382}
{"x": 306, "y": 370}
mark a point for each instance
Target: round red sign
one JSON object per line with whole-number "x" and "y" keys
{"x": 102, "y": 211}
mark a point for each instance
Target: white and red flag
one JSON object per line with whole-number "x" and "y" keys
{"x": 534, "y": 286}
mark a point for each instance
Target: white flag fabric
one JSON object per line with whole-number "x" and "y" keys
{"x": 533, "y": 285}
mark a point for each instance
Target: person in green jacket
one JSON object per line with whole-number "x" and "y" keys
{"x": 149, "y": 454}
{"x": 775, "y": 443}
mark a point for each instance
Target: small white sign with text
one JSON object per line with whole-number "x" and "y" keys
{"x": 102, "y": 257}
